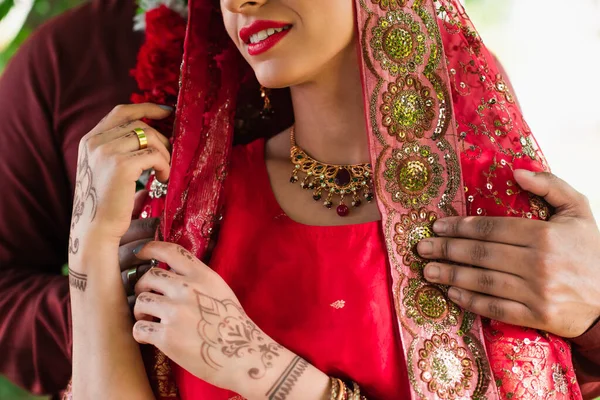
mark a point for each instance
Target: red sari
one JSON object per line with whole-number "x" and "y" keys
{"x": 435, "y": 101}
{"x": 322, "y": 292}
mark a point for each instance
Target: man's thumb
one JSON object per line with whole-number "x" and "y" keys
{"x": 558, "y": 193}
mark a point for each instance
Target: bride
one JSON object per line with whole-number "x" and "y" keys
{"x": 321, "y": 283}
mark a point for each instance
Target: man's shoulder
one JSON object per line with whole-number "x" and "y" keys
{"x": 103, "y": 19}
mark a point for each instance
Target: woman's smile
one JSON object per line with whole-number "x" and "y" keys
{"x": 262, "y": 35}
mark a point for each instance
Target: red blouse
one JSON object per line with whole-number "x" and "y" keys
{"x": 321, "y": 291}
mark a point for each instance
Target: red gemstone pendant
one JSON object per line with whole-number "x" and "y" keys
{"x": 343, "y": 210}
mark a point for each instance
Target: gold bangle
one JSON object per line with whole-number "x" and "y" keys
{"x": 356, "y": 391}
{"x": 334, "y": 388}
{"x": 342, "y": 392}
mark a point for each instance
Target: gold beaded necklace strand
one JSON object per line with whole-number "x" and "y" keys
{"x": 331, "y": 180}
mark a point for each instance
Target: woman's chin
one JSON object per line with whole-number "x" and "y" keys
{"x": 276, "y": 75}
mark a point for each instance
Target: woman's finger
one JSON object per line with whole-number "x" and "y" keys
{"x": 151, "y": 305}
{"x": 124, "y": 140}
{"x": 124, "y": 113}
{"x": 137, "y": 162}
{"x": 147, "y": 332}
{"x": 178, "y": 258}
{"x": 160, "y": 281}
{"x": 131, "y": 276}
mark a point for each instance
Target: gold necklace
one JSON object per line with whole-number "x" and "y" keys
{"x": 331, "y": 180}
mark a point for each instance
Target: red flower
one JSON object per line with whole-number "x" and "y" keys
{"x": 159, "y": 59}
{"x": 165, "y": 27}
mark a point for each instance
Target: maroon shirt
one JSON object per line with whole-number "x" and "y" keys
{"x": 71, "y": 73}
{"x": 59, "y": 85}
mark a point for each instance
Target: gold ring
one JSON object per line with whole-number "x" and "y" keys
{"x": 132, "y": 277}
{"x": 141, "y": 138}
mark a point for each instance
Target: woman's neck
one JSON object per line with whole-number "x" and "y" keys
{"x": 329, "y": 113}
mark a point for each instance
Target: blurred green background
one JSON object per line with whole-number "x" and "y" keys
{"x": 494, "y": 18}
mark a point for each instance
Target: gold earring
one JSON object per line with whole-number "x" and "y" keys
{"x": 267, "y": 110}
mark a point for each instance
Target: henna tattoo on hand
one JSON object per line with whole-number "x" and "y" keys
{"x": 85, "y": 193}
{"x": 145, "y": 328}
{"x": 234, "y": 335}
{"x": 185, "y": 253}
{"x": 285, "y": 383}
{"x": 161, "y": 273}
{"x": 146, "y": 299}
{"x": 77, "y": 281}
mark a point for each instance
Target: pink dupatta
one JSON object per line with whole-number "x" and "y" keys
{"x": 445, "y": 135}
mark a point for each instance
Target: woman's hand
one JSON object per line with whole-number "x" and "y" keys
{"x": 109, "y": 164}
{"x": 204, "y": 329}
{"x": 537, "y": 274}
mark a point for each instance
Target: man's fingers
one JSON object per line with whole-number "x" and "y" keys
{"x": 558, "y": 193}
{"x": 131, "y": 301}
{"x": 481, "y": 280}
{"x": 127, "y": 258}
{"x": 494, "y": 256}
{"x": 502, "y": 310}
{"x": 512, "y": 231}
{"x": 131, "y": 276}
{"x": 143, "y": 228}
{"x": 138, "y": 203}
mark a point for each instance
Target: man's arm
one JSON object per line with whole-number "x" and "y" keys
{"x": 59, "y": 85}
{"x": 585, "y": 348}
{"x": 586, "y": 361}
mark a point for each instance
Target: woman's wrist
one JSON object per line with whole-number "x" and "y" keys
{"x": 95, "y": 264}
{"x": 290, "y": 377}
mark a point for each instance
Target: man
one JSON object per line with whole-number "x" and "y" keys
{"x": 70, "y": 74}
{"x": 61, "y": 83}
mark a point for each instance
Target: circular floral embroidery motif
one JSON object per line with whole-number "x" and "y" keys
{"x": 413, "y": 175}
{"x": 412, "y": 228}
{"x": 389, "y": 4}
{"x": 408, "y": 109}
{"x": 428, "y": 305}
{"x": 445, "y": 367}
{"x": 398, "y": 42}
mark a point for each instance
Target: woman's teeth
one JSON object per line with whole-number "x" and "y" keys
{"x": 262, "y": 35}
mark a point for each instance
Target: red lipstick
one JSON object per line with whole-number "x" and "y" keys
{"x": 265, "y": 44}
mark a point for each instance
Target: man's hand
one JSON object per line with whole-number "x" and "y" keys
{"x": 543, "y": 275}
{"x": 140, "y": 232}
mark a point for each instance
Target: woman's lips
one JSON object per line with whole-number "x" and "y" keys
{"x": 265, "y": 45}
{"x": 259, "y": 26}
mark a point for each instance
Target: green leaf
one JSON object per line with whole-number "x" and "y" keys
{"x": 5, "y": 7}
